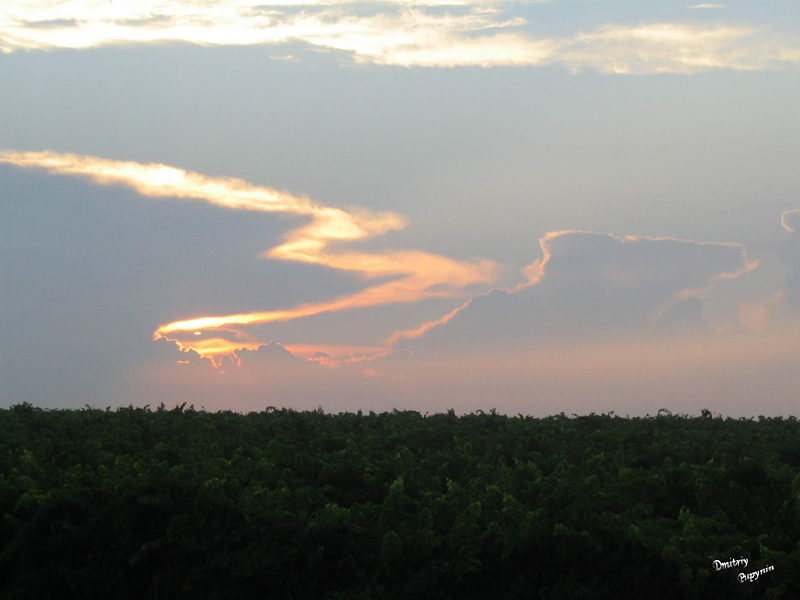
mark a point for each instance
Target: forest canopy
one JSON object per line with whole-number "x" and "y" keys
{"x": 140, "y": 503}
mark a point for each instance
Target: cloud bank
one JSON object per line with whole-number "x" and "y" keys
{"x": 398, "y": 32}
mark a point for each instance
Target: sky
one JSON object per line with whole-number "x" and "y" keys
{"x": 540, "y": 207}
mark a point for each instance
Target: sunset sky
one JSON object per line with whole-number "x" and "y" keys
{"x": 574, "y": 205}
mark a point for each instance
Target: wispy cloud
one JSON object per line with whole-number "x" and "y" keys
{"x": 402, "y": 32}
{"x": 413, "y": 275}
{"x": 704, "y": 6}
{"x": 791, "y": 220}
{"x": 672, "y": 48}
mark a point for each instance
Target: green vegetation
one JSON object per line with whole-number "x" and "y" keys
{"x": 288, "y": 505}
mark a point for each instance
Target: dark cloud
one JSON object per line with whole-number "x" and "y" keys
{"x": 270, "y": 354}
{"x": 590, "y": 286}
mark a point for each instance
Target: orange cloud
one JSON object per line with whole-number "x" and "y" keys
{"x": 416, "y": 274}
{"x": 790, "y": 220}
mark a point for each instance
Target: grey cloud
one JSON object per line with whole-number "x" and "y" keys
{"x": 166, "y": 353}
{"x": 51, "y": 24}
{"x": 591, "y": 286}
{"x": 272, "y": 353}
{"x": 683, "y": 316}
{"x": 148, "y": 21}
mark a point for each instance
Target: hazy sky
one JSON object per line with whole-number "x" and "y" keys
{"x": 555, "y": 206}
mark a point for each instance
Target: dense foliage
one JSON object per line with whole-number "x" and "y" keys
{"x": 288, "y": 505}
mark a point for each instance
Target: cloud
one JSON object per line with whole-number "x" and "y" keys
{"x": 403, "y": 275}
{"x": 791, "y": 220}
{"x": 271, "y": 353}
{"x": 757, "y": 315}
{"x": 589, "y": 286}
{"x": 705, "y": 6}
{"x": 674, "y": 48}
{"x": 50, "y": 24}
{"x": 407, "y": 37}
{"x": 736, "y": 374}
{"x": 403, "y": 32}
{"x": 685, "y": 315}
{"x": 789, "y": 254}
{"x": 776, "y": 313}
